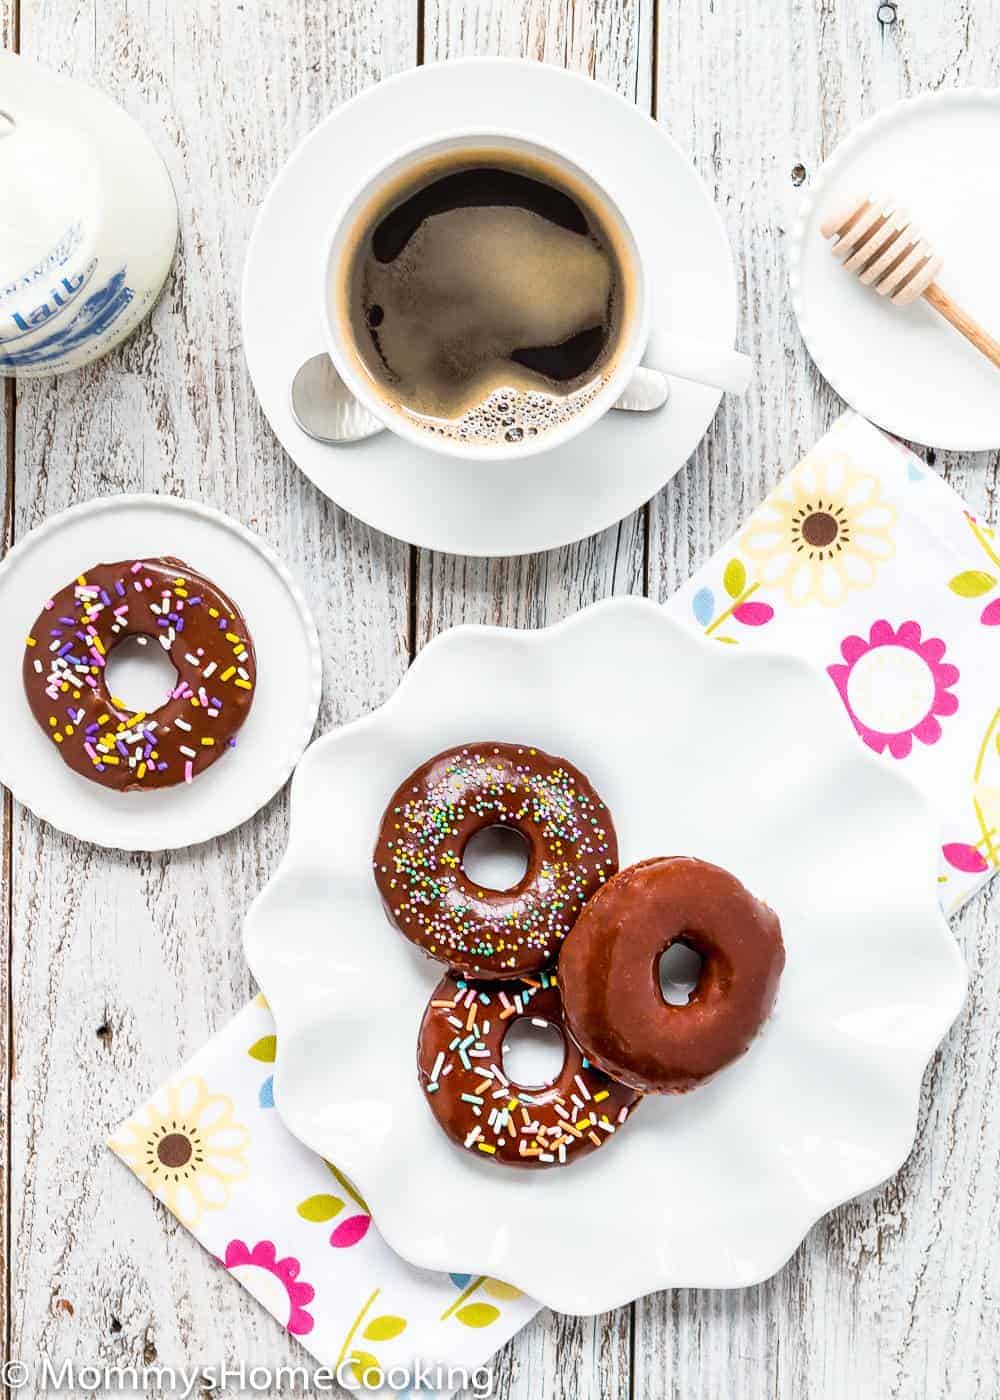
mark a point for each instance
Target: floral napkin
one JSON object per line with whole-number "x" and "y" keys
{"x": 861, "y": 559}
{"x": 865, "y": 561}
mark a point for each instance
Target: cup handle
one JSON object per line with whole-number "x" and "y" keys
{"x": 698, "y": 360}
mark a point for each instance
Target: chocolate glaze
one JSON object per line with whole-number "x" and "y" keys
{"x": 203, "y": 633}
{"x": 572, "y": 849}
{"x": 548, "y": 1126}
{"x": 609, "y": 973}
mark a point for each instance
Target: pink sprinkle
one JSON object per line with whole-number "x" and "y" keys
{"x": 50, "y": 605}
{"x": 136, "y": 567}
{"x": 91, "y": 750}
{"x": 188, "y": 770}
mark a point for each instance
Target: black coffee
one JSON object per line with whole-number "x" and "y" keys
{"x": 486, "y": 297}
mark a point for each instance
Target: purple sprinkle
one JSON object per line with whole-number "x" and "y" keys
{"x": 232, "y": 743}
{"x": 161, "y": 768}
{"x": 120, "y": 589}
{"x": 65, "y": 648}
{"x": 70, "y": 621}
{"x": 92, "y": 728}
{"x": 120, "y": 746}
{"x": 180, "y": 624}
{"x": 106, "y": 597}
{"x": 193, "y": 602}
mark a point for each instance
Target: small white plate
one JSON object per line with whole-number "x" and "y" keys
{"x": 905, "y": 368}
{"x": 289, "y": 672}
{"x": 511, "y": 507}
{"x": 738, "y": 757}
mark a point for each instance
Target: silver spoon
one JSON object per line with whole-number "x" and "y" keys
{"x": 325, "y": 408}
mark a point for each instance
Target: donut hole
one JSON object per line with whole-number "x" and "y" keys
{"x": 533, "y": 1052}
{"x": 140, "y": 674}
{"x": 496, "y": 858}
{"x": 680, "y": 972}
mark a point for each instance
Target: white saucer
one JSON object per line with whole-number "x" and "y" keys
{"x": 513, "y": 508}
{"x": 737, "y": 756}
{"x": 905, "y": 368}
{"x": 289, "y": 672}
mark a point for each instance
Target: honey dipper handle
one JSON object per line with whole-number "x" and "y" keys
{"x": 963, "y": 322}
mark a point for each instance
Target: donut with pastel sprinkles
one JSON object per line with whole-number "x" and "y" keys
{"x": 571, "y": 843}
{"x": 460, "y": 1061}
{"x": 162, "y": 602}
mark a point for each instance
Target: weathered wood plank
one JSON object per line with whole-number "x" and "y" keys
{"x": 891, "y": 1296}
{"x": 8, "y": 40}
{"x": 122, "y": 966}
{"x": 610, "y": 40}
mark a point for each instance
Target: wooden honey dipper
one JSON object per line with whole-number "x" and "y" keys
{"x": 877, "y": 240}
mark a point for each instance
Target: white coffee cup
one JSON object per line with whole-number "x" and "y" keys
{"x": 640, "y": 343}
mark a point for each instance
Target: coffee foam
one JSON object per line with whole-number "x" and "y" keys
{"x": 508, "y": 403}
{"x": 510, "y": 415}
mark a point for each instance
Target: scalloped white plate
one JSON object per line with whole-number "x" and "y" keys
{"x": 742, "y": 758}
{"x": 289, "y": 672}
{"x": 905, "y": 367}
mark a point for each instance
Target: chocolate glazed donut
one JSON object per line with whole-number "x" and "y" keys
{"x": 609, "y": 973}
{"x": 460, "y": 1062}
{"x": 201, "y": 631}
{"x": 572, "y": 849}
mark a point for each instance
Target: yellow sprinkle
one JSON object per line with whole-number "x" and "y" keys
{"x": 111, "y": 758}
{"x": 99, "y": 645}
{"x": 52, "y": 721}
{"x": 213, "y": 612}
{"x": 196, "y": 702}
{"x": 512, "y": 1103}
{"x": 69, "y": 730}
{"x": 181, "y": 592}
{"x": 58, "y": 738}
{"x": 103, "y": 719}
{"x": 139, "y": 714}
{"x": 82, "y": 580}
{"x": 486, "y": 1147}
{"x": 208, "y": 742}
{"x": 602, "y": 1095}
{"x": 229, "y": 671}
{"x": 32, "y": 642}
{"x": 584, "y": 1122}
{"x": 232, "y": 637}
{"x": 141, "y": 770}
{"x": 243, "y": 685}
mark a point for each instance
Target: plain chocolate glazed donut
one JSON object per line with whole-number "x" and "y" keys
{"x": 572, "y": 849}
{"x": 609, "y": 973}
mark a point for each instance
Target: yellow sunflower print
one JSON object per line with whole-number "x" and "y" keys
{"x": 187, "y": 1148}
{"x": 823, "y": 533}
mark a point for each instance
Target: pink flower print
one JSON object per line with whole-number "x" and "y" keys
{"x": 896, "y": 686}
{"x": 273, "y": 1282}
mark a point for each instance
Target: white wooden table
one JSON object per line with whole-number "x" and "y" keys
{"x": 118, "y": 967}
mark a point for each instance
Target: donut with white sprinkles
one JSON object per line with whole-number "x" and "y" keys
{"x": 461, "y": 1070}
{"x": 572, "y": 850}
{"x": 160, "y": 601}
